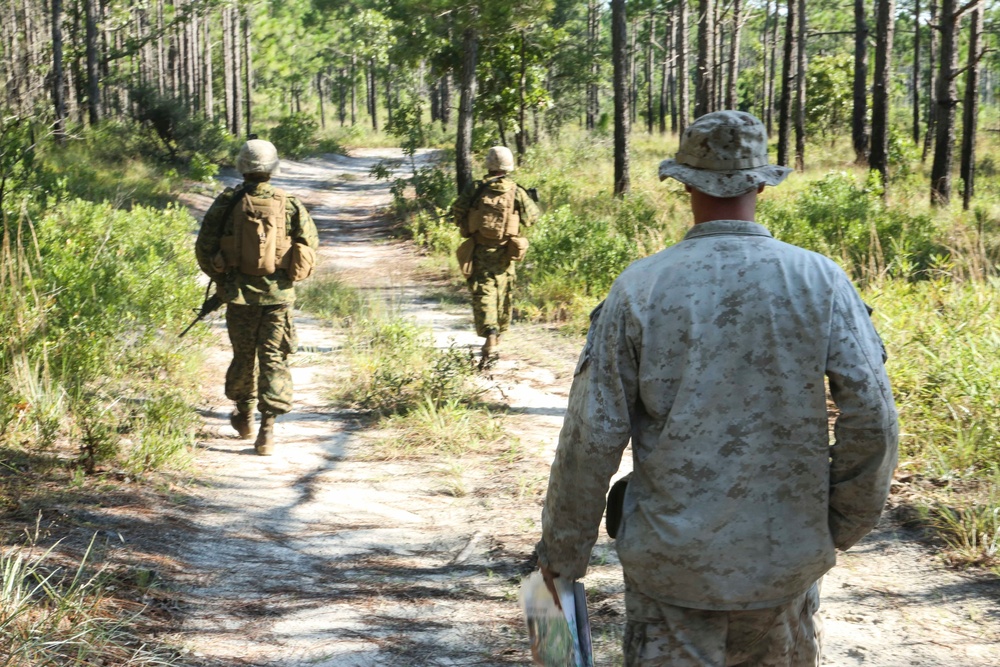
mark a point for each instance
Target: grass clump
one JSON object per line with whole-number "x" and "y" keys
{"x": 53, "y": 615}
{"x": 329, "y": 297}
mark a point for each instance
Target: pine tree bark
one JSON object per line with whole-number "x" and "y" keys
{"x": 209, "y": 75}
{"x": 58, "y": 90}
{"x": 767, "y": 54}
{"x": 800, "y": 88}
{"x": 879, "y": 157}
{"x": 227, "y": 66}
{"x": 683, "y": 101}
{"x": 734, "y": 55}
{"x": 93, "y": 82}
{"x": 667, "y": 75}
{"x": 787, "y": 83}
{"x": 446, "y": 99}
{"x": 704, "y": 84}
{"x": 774, "y": 71}
{"x": 248, "y": 71}
{"x": 467, "y": 94}
{"x": 520, "y": 137}
{"x": 916, "y": 72}
{"x": 342, "y": 96}
{"x": 859, "y": 111}
{"x": 932, "y": 67}
{"x": 593, "y": 34}
{"x": 619, "y": 57}
{"x": 946, "y": 100}
{"x": 970, "y": 111}
{"x": 651, "y": 37}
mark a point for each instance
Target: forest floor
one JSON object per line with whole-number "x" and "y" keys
{"x": 320, "y": 555}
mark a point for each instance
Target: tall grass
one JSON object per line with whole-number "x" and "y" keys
{"x": 53, "y": 615}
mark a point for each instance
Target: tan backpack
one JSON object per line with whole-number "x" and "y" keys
{"x": 259, "y": 244}
{"x": 494, "y": 217}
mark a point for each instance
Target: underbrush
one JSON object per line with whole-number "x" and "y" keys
{"x": 51, "y": 614}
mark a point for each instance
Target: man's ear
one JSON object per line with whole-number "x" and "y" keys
{"x": 760, "y": 188}
{"x": 688, "y": 189}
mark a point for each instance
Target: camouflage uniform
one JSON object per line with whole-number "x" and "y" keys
{"x": 493, "y": 275}
{"x": 710, "y": 358}
{"x": 258, "y": 311}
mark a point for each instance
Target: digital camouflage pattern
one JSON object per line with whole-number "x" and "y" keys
{"x": 493, "y": 275}
{"x": 789, "y": 635}
{"x": 240, "y": 288}
{"x": 710, "y": 357}
{"x": 262, "y": 338}
{"x": 723, "y": 154}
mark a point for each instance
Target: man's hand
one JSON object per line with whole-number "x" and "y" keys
{"x": 549, "y": 577}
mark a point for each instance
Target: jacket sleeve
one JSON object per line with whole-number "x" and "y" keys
{"x": 460, "y": 209}
{"x": 303, "y": 227}
{"x": 207, "y": 245}
{"x": 594, "y": 435}
{"x": 527, "y": 207}
{"x": 866, "y": 431}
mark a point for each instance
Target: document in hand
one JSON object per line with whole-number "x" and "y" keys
{"x": 558, "y": 638}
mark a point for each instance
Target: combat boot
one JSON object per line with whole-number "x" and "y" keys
{"x": 490, "y": 352}
{"x": 265, "y": 436}
{"x": 243, "y": 423}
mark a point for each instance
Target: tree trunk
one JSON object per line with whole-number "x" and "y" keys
{"x": 373, "y": 93}
{"x": 234, "y": 42}
{"x": 946, "y": 100}
{"x": 704, "y": 85}
{"x": 58, "y": 90}
{"x": 342, "y": 96}
{"x": 522, "y": 82}
{"x": 932, "y": 68}
{"x": 435, "y": 97}
{"x": 593, "y": 33}
{"x": 619, "y": 43}
{"x": 683, "y": 102}
{"x": 93, "y": 82}
{"x": 446, "y": 99}
{"x": 228, "y": 73}
{"x": 319, "y": 92}
{"x": 767, "y": 54}
{"x": 649, "y": 74}
{"x": 734, "y": 56}
{"x": 388, "y": 94}
{"x": 248, "y": 72}
{"x": 787, "y": 82}
{"x": 774, "y": 71}
{"x": 209, "y": 93}
{"x": 970, "y": 112}
{"x": 467, "y": 87}
{"x": 859, "y": 112}
{"x": 800, "y": 89}
{"x": 879, "y": 159}
{"x": 354, "y": 90}
{"x": 667, "y": 74}
{"x": 916, "y": 72}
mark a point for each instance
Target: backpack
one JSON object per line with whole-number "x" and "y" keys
{"x": 494, "y": 216}
{"x": 258, "y": 243}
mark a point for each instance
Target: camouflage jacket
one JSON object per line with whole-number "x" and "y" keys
{"x": 239, "y": 288}
{"x": 523, "y": 204}
{"x": 710, "y": 357}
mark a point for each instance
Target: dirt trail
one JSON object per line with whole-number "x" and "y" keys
{"x": 317, "y": 557}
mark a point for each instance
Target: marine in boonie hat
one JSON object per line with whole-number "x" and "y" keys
{"x": 723, "y": 154}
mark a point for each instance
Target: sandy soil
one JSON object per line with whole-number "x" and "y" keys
{"x": 319, "y": 556}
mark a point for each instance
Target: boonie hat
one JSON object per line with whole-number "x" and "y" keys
{"x": 723, "y": 154}
{"x": 499, "y": 158}
{"x": 257, "y": 157}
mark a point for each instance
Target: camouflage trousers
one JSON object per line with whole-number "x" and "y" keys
{"x": 262, "y": 338}
{"x": 491, "y": 284}
{"x": 786, "y": 636}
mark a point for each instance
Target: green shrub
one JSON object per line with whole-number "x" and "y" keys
{"x": 294, "y": 135}
{"x": 851, "y": 223}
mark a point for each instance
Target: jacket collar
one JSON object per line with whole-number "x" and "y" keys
{"x": 727, "y": 228}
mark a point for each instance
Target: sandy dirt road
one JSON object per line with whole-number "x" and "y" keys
{"x": 319, "y": 556}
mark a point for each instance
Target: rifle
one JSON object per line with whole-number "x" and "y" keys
{"x": 209, "y": 306}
